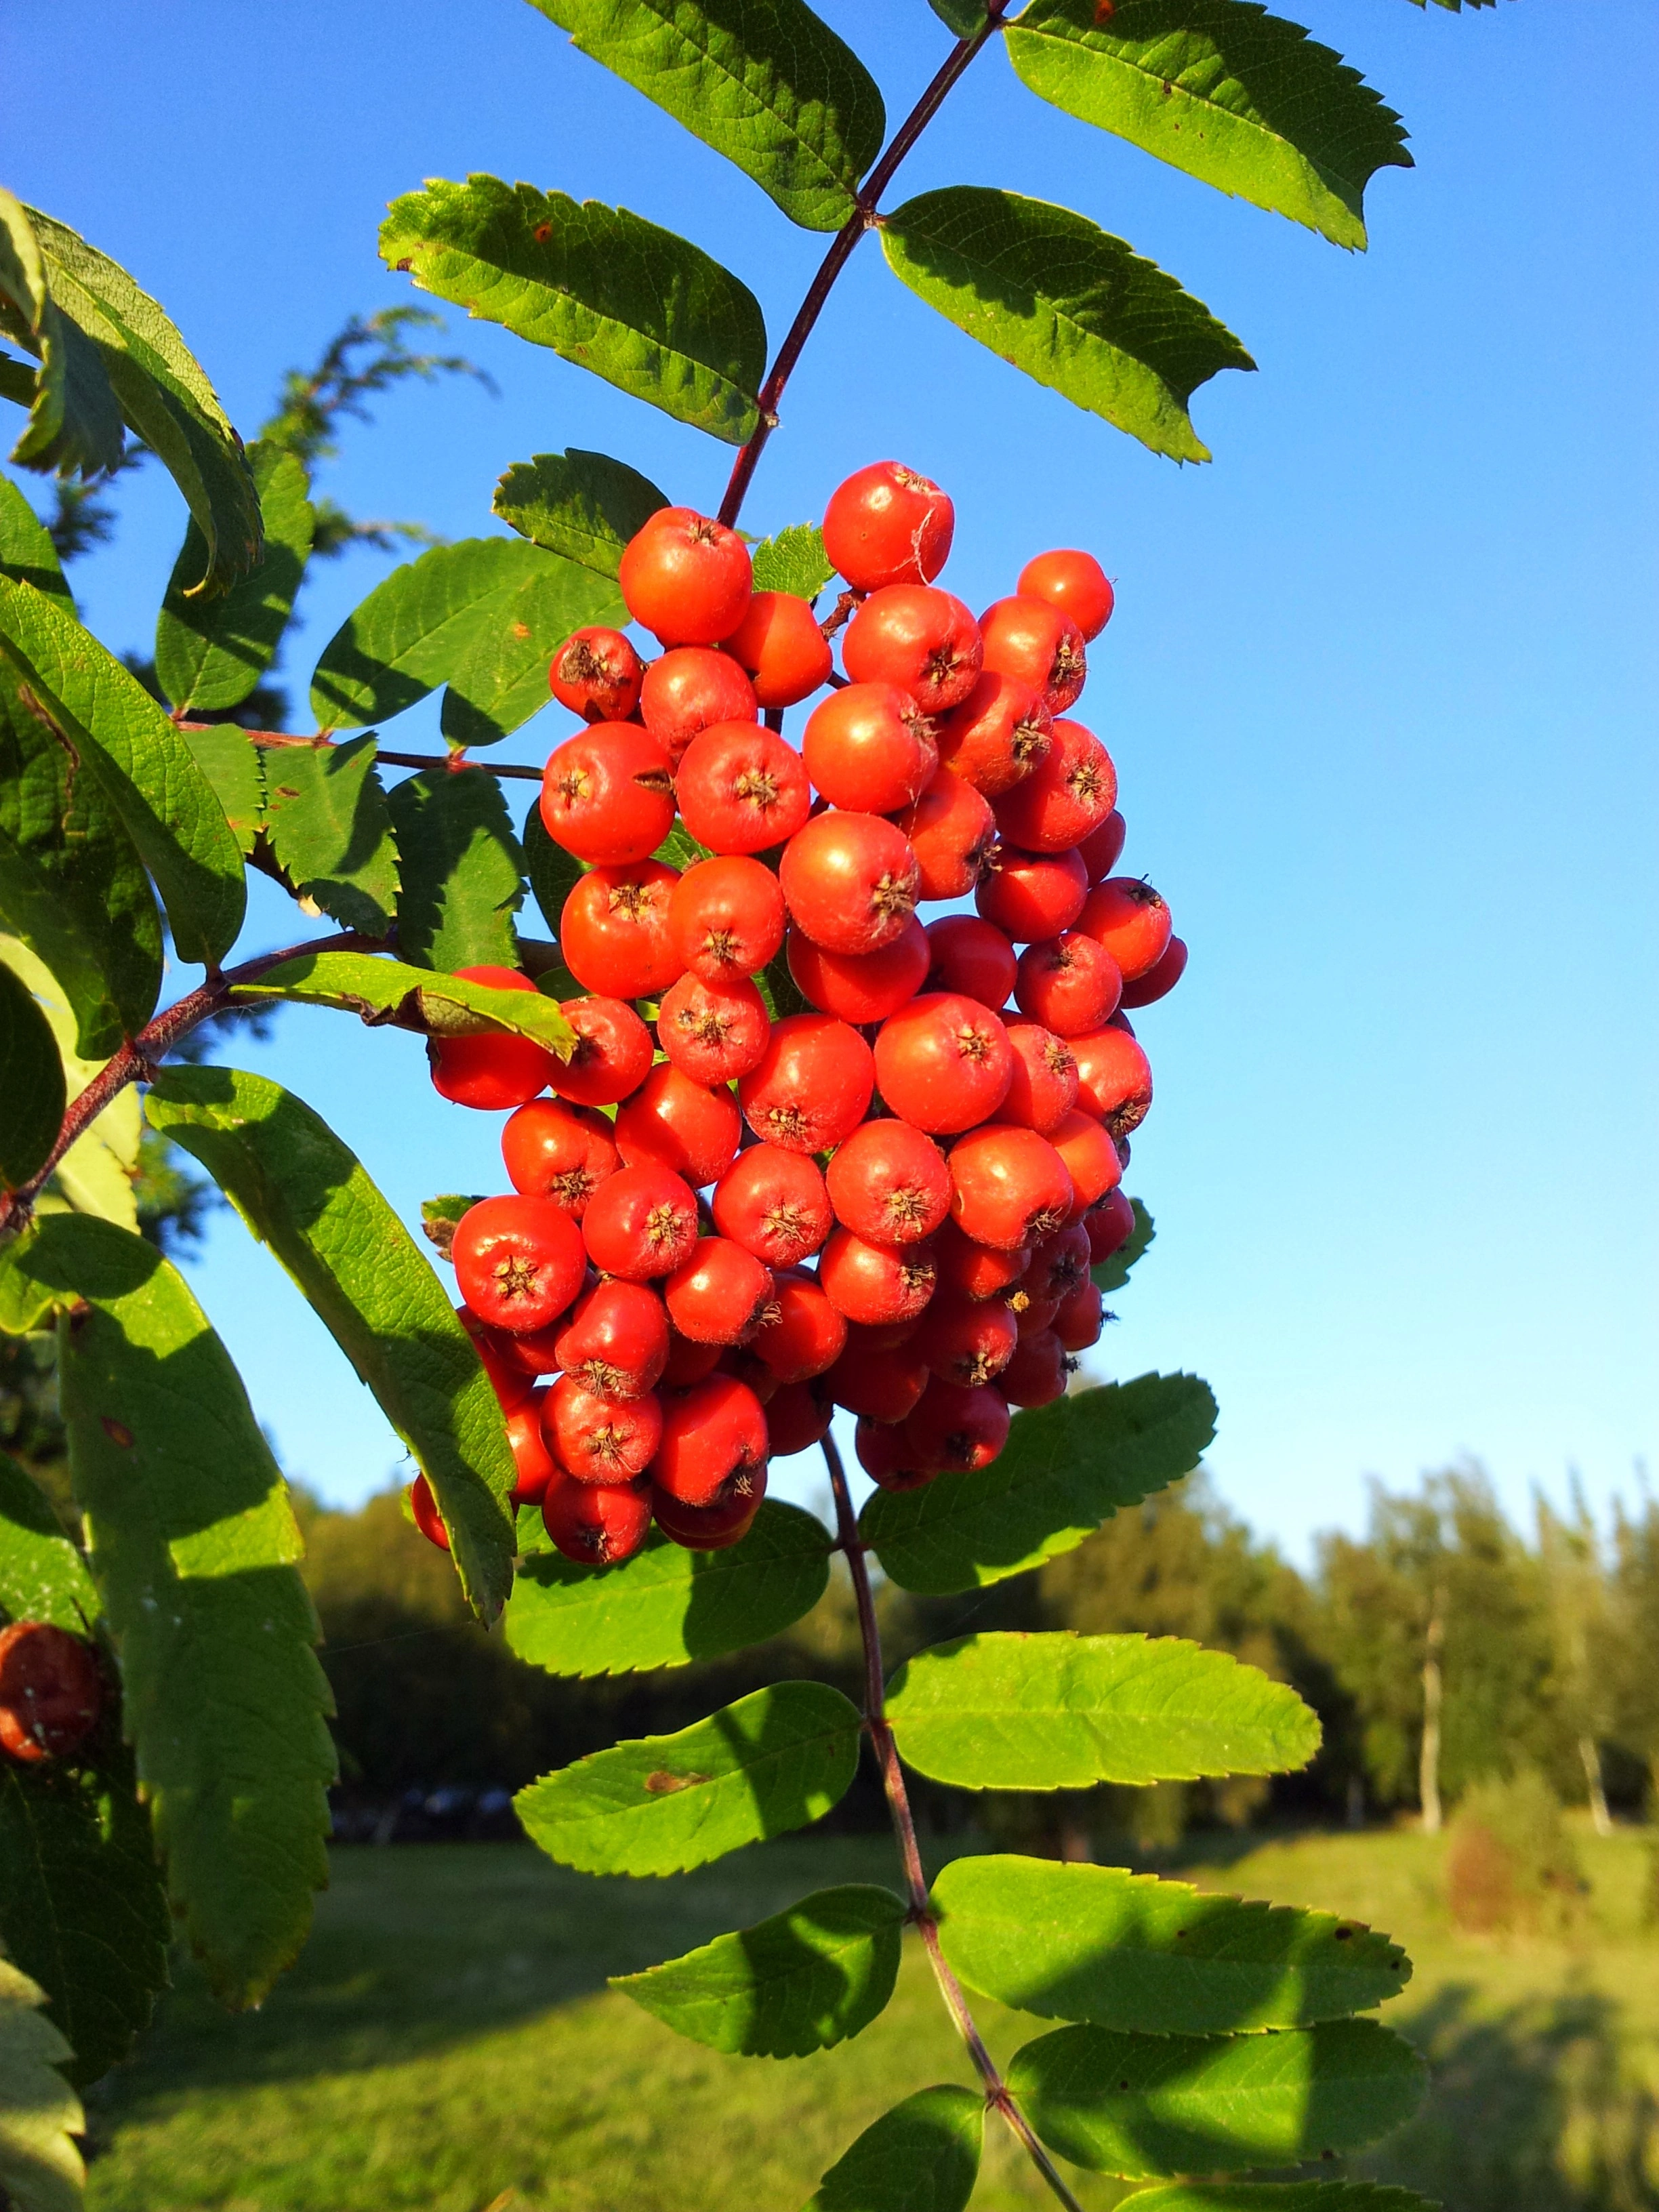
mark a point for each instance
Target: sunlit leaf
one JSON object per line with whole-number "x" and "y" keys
{"x": 32, "y": 1097}
{"x": 420, "y": 998}
{"x": 923, "y": 2156}
{"x": 40, "y": 2168}
{"x": 211, "y": 652}
{"x": 583, "y": 505}
{"x": 325, "y": 814}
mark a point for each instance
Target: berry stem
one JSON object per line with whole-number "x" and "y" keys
{"x": 863, "y": 218}
{"x": 997, "y": 2092}
{"x": 273, "y": 740}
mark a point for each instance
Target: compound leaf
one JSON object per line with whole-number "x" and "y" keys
{"x": 766, "y": 82}
{"x": 794, "y": 561}
{"x": 1065, "y": 1467}
{"x": 646, "y": 311}
{"x": 420, "y": 998}
{"x": 1113, "y": 1273}
{"x": 1130, "y": 1951}
{"x": 666, "y": 1606}
{"x": 1061, "y": 1711}
{"x": 1173, "y": 2103}
{"x": 802, "y": 1981}
{"x": 235, "y": 766}
{"x": 40, "y": 2168}
{"x": 329, "y": 827}
{"x": 923, "y": 2156}
{"x": 774, "y": 1761}
{"x": 211, "y": 652}
{"x": 461, "y": 868}
{"x": 584, "y": 507}
{"x": 1055, "y": 295}
{"x": 304, "y": 1192}
{"x": 32, "y": 1093}
{"x": 1276, "y": 2196}
{"x": 27, "y": 552}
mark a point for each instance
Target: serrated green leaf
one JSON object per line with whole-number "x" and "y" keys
{"x": 1130, "y": 1951}
{"x": 965, "y": 17}
{"x": 194, "y": 1548}
{"x": 1277, "y": 2195}
{"x": 1139, "y": 2104}
{"x": 235, "y": 766}
{"x": 666, "y": 1606}
{"x": 147, "y": 771}
{"x": 583, "y": 505}
{"x": 32, "y": 1093}
{"x": 765, "y": 82}
{"x": 1235, "y": 96}
{"x": 303, "y": 1193}
{"x": 551, "y": 872}
{"x": 504, "y": 680}
{"x": 782, "y": 996}
{"x": 95, "y": 1175}
{"x": 1056, "y": 296}
{"x": 1063, "y": 1712}
{"x": 792, "y": 560}
{"x": 646, "y": 311}
{"x": 209, "y": 653}
{"x": 431, "y": 1003}
{"x": 42, "y": 1575}
{"x": 40, "y": 2168}
{"x": 461, "y": 867}
{"x": 27, "y": 552}
{"x": 923, "y": 2156}
{"x": 802, "y": 1981}
{"x": 74, "y": 422}
{"x": 774, "y": 1761}
{"x": 1064, "y": 1469}
{"x": 326, "y": 815}
{"x": 1112, "y": 1274}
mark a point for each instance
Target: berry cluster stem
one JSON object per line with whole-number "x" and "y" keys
{"x": 323, "y": 742}
{"x": 997, "y": 2092}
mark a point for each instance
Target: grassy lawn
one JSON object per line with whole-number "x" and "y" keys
{"x": 446, "y": 2042}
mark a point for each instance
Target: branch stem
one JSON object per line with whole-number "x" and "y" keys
{"x": 275, "y": 740}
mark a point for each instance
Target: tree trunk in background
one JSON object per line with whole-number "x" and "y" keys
{"x": 1428, "y": 1765}
{"x": 1590, "y": 1752}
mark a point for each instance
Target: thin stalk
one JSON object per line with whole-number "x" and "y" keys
{"x": 997, "y": 2092}
{"x": 275, "y": 740}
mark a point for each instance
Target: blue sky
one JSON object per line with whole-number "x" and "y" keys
{"x": 1381, "y": 688}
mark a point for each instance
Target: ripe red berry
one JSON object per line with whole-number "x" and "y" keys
{"x": 714, "y": 1032}
{"x": 613, "y": 929}
{"x": 875, "y": 1283}
{"x": 887, "y": 1459}
{"x": 811, "y": 1085}
{"x": 689, "y": 690}
{"x": 1099, "y": 850}
{"x": 725, "y": 918}
{"x": 495, "y": 1069}
{"x": 558, "y": 1151}
{"x": 598, "y": 1439}
{"x": 1043, "y": 1088}
{"x": 1009, "y": 1186}
{"x": 877, "y": 1382}
{"x": 969, "y": 1270}
{"x": 1069, "y": 983}
{"x": 518, "y": 1260}
{"x": 860, "y": 987}
{"x": 424, "y": 1511}
{"x": 1032, "y": 895}
{"x": 597, "y": 674}
{"x": 1038, "y": 1373}
{"x": 531, "y": 1350}
{"x": 1077, "y": 1324}
{"x": 720, "y": 1293}
{"x": 803, "y": 1336}
{"x": 607, "y": 795}
{"x": 966, "y": 1341}
{"x": 1032, "y": 1315}
{"x": 971, "y": 957}
{"x": 672, "y": 1122}
{"x": 1066, "y": 798}
{"x": 1059, "y": 1263}
{"x": 741, "y": 789}
{"x": 797, "y": 1417}
{"x": 849, "y": 881}
{"x": 997, "y": 736}
{"x": 1110, "y": 1224}
{"x": 955, "y": 1426}
{"x": 886, "y": 525}
{"x": 870, "y": 747}
{"x": 1165, "y": 972}
{"x": 685, "y": 577}
{"x": 613, "y": 1051}
{"x": 889, "y": 1184}
{"x": 1091, "y": 1160}
{"x": 615, "y": 1340}
{"x": 944, "y": 1062}
{"x": 1131, "y": 920}
{"x": 737, "y": 1360}
{"x": 1039, "y": 645}
{"x": 922, "y": 639}
{"x": 714, "y": 1433}
{"x": 1114, "y": 1079}
{"x": 641, "y": 1223}
{"x": 50, "y": 1691}
{"x": 532, "y": 1456}
{"x": 781, "y": 645}
{"x": 1075, "y": 583}
{"x": 598, "y": 1524}
{"x": 511, "y": 1383}
{"x": 952, "y": 830}
{"x": 774, "y": 1204}
{"x": 713, "y": 1527}
{"x": 688, "y": 1362}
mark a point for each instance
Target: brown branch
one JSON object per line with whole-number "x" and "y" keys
{"x": 323, "y": 742}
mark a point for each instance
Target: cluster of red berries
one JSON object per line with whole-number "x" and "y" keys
{"x": 953, "y": 1165}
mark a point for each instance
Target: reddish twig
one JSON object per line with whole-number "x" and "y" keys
{"x": 274, "y": 740}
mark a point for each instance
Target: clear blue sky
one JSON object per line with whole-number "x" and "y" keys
{"x": 1381, "y": 688}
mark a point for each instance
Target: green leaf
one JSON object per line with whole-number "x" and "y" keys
{"x": 794, "y": 561}
{"x": 75, "y": 423}
{"x": 782, "y": 996}
{"x": 42, "y": 1575}
{"x": 95, "y": 1175}
{"x": 147, "y": 771}
{"x": 1064, "y": 1711}
{"x": 923, "y": 2156}
{"x": 40, "y": 2168}
{"x": 1151, "y": 2105}
{"x": 965, "y": 17}
{"x": 582, "y": 506}
{"x": 1129, "y": 1951}
{"x": 504, "y": 681}
{"x": 235, "y": 766}
{"x": 1112, "y": 1274}
{"x": 461, "y": 867}
{"x": 646, "y": 311}
{"x": 305, "y": 1194}
{"x": 209, "y": 653}
{"x": 194, "y": 1549}
{"x": 552, "y": 873}
{"x": 1053, "y": 293}
{"x": 1064, "y": 1468}
{"x": 774, "y": 1761}
{"x": 764, "y": 82}
{"x": 1276, "y": 2196}
{"x": 666, "y": 1606}
{"x": 32, "y": 1093}
{"x": 802, "y": 1981}
{"x": 330, "y": 827}
{"x": 432, "y": 1004}
{"x": 27, "y": 552}
{"x": 439, "y": 1217}
{"x": 1218, "y": 87}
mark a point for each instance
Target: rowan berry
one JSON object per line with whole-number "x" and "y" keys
{"x": 1068, "y": 794}
{"x": 673, "y": 1122}
{"x": 1059, "y": 1263}
{"x": 554, "y": 1150}
{"x": 879, "y": 1382}
{"x": 533, "y": 1351}
{"x": 1043, "y": 1087}
{"x": 1032, "y": 1315}
{"x": 597, "y": 674}
{"x": 1114, "y": 1079}
{"x": 613, "y": 1052}
{"x": 518, "y": 1260}
{"x": 727, "y": 918}
{"x": 969, "y": 1270}
{"x": 1009, "y": 1186}
{"x": 534, "y": 1462}
{"x": 1131, "y": 920}
{"x": 615, "y": 1340}
{"x": 774, "y": 1204}
{"x": 597, "y": 1439}
{"x": 805, "y": 1335}
{"x": 1038, "y": 1373}
{"x": 922, "y": 639}
{"x": 714, "y": 1032}
{"x": 952, "y": 833}
{"x": 50, "y": 1691}
{"x": 966, "y": 1341}
{"x": 495, "y": 1069}
{"x": 971, "y": 957}
{"x": 1111, "y": 1223}
{"x": 607, "y": 795}
{"x": 1092, "y": 1159}
{"x": 1101, "y": 849}
{"x": 1038, "y": 644}
{"x": 944, "y": 1062}
{"x": 741, "y": 789}
{"x": 1080, "y": 1321}
{"x": 511, "y": 1383}
{"x": 641, "y": 1223}
{"x": 956, "y": 1427}
{"x": 423, "y": 1511}
{"x": 719, "y": 1294}
{"x": 889, "y": 1184}
{"x": 811, "y": 1087}
{"x": 860, "y": 987}
{"x": 1069, "y": 983}
{"x": 779, "y": 644}
{"x": 740, "y": 1362}
{"x": 1075, "y": 583}
{"x": 997, "y": 736}
{"x": 614, "y": 933}
{"x": 797, "y": 1416}
{"x": 870, "y": 748}
{"x": 713, "y": 1527}
{"x": 875, "y": 1283}
{"x": 887, "y": 1459}
{"x": 598, "y": 1524}
{"x": 1165, "y": 972}
{"x": 713, "y": 1435}
{"x": 685, "y": 578}
{"x": 886, "y": 525}
{"x": 1031, "y": 895}
{"x": 849, "y": 881}
{"x": 689, "y": 690}
{"x": 688, "y": 1362}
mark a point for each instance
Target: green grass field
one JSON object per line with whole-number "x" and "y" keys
{"x": 448, "y": 2042}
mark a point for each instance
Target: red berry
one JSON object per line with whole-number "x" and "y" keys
{"x": 1032, "y": 895}
{"x": 1059, "y": 1263}
{"x": 613, "y": 929}
{"x": 598, "y": 1439}
{"x": 511, "y": 1383}
{"x": 641, "y": 1223}
{"x": 1100, "y": 849}
{"x": 535, "y": 1463}
{"x": 805, "y": 1336}
{"x": 727, "y": 918}
{"x": 719, "y": 1294}
{"x": 774, "y": 1204}
{"x": 849, "y": 881}
{"x": 1069, "y": 983}
{"x": 597, "y": 674}
{"x": 1114, "y": 1079}
{"x": 952, "y": 831}
{"x": 1068, "y": 794}
{"x": 689, "y": 690}
{"x": 971, "y": 957}
{"x": 781, "y": 645}
{"x": 607, "y": 795}
{"x": 922, "y": 639}
{"x": 797, "y": 1418}
{"x": 712, "y": 1528}
{"x": 741, "y": 789}
{"x": 495, "y": 1069}
{"x": 875, "y": 1283}
{"x": 1110, "y": 1224}
{"x": 997, "y": 736}
{"x": 1075, "y": 583}
{"x": 975, "y": 1271}
{"x": 1032, "y": 1315}
{"x": 612, "y": 1054}
{"x": 1009, "y": 1186}
{"x": 1077, "y": 1324}
{"x": 672, "y": 1122}
{"x": 944, "y": 1062}
{"x": 887, "y": 1459}
{"x": 1165, "y": 972}
{"x": 1038, "y": 1373}
{"x": 754, "y": 1374}
{"x": 878, "y": 1382}
{"x": 1131, "y": 920}
{"x": 1044, "y": 1089}
{"x": 50, "y": 1691}
{"x": 423, "y": 1507}
{"x": 615, "y": 1340}
{"x": 886, "y": 525}
{"x": 955, "y": 1426}
{"x": 1039, "y": 645}
{"x": 688, "y": 1362}
{"x": 713, "y": 1435}
{"x": 598, "y": 1524}
{"x": 811, "y": 1085}
{"x": 533, "y": 1351}
{"x": 558, "y": 1151}
{"x": 685, "y": 578}
{"x": 518, "y": 1260}
{"x": 870, "y": 747}
{"x": 860, "y": 987}
{"x": 714, "y": 1032}
{"x": 889, "y": 1184}
{"x": 1091, "y": 1160}
{"x": 966, "y": 1341}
